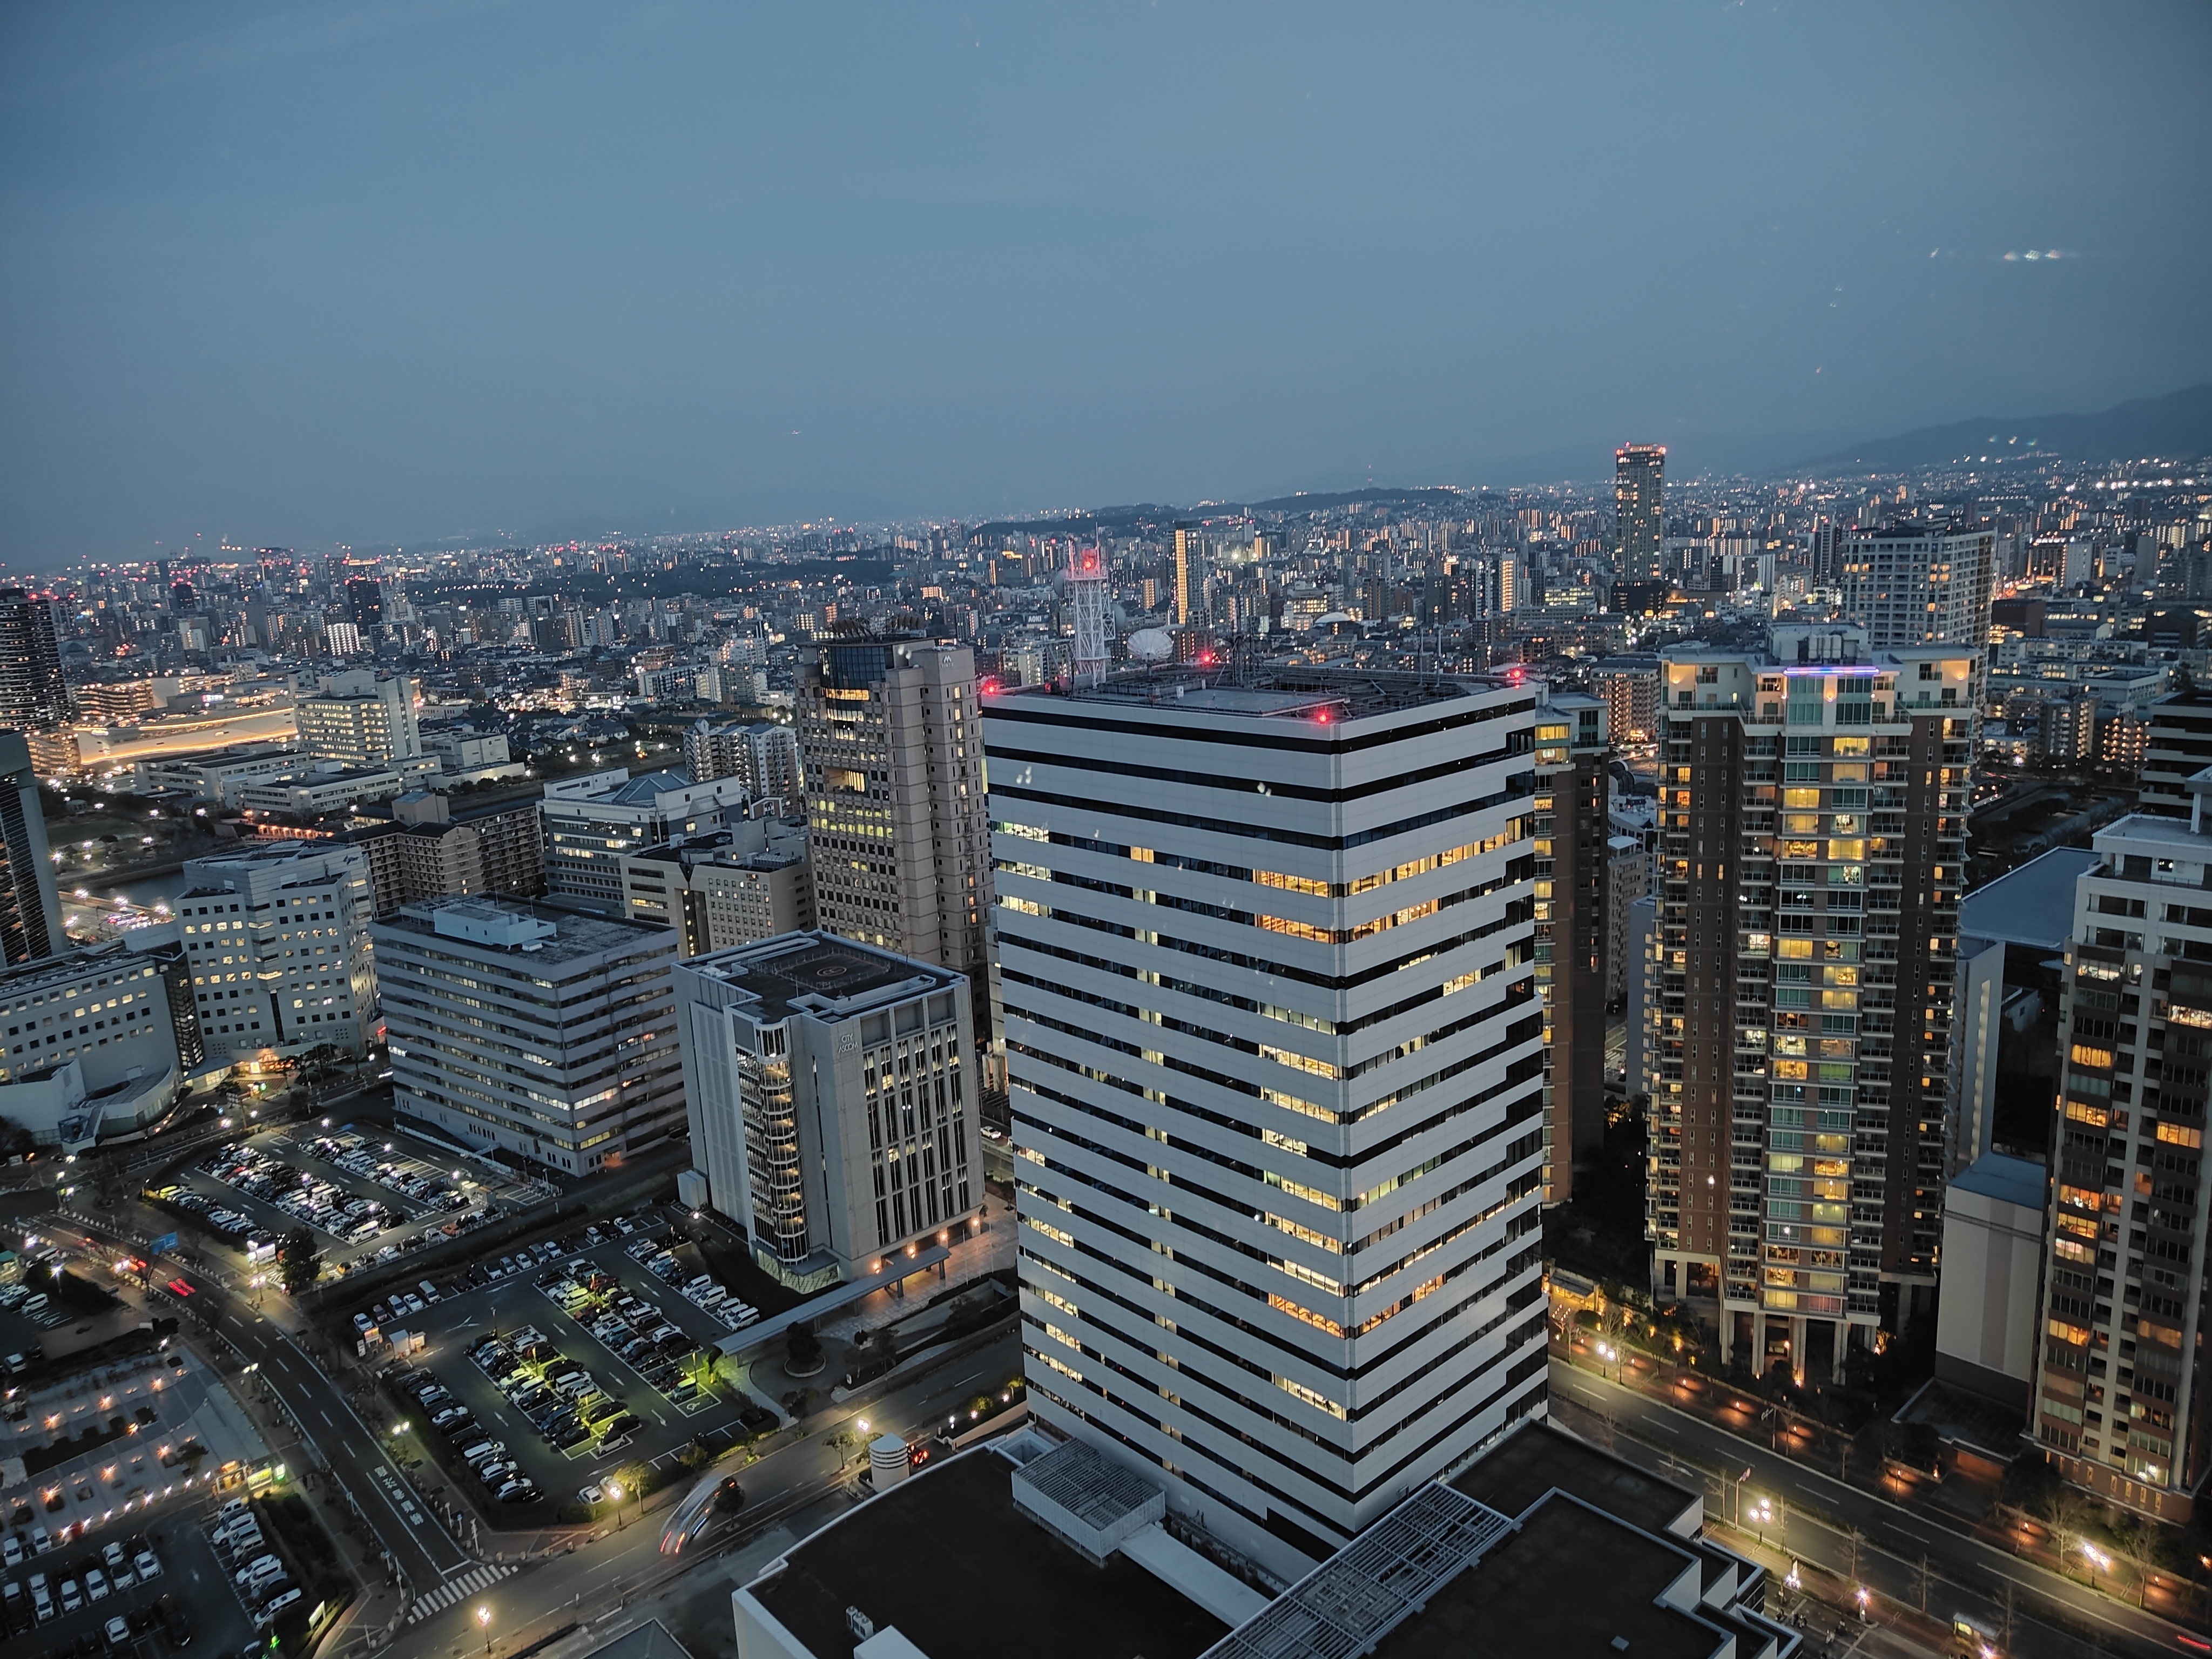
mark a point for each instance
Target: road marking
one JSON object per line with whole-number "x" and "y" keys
{"x": 326, "y": 1419}
{"x": 459, "y": 1589}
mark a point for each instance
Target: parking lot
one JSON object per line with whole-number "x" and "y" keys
{"x": 368, "y": 1193}
{"x": 94, "y": 1581}
{"x": 570, "y": 1363}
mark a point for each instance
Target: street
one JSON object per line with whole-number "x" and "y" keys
{"x": 1816, "y": 1514}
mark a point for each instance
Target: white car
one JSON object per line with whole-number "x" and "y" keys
{"x": 591, "y": 1495}
{"x": 118, "y": 1634}
{"x": 147, "y": 1566}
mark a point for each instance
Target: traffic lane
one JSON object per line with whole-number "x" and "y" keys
{"x": 1901, "y": 1533}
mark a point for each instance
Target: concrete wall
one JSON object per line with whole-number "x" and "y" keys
{"x": 1987, "y": 1318}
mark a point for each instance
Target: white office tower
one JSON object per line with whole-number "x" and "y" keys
{"x": 1274, "y": 1053}
{"x": 361, "y": 721}
{"x": 278, "y": 938}
{"x": 543, "y": 1030}
{"x": 832, "y": 1097}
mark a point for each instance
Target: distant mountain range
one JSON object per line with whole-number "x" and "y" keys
{"x": 2177, "y": 427}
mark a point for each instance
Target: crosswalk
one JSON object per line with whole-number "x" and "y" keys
{"x": 458, "y": 1590}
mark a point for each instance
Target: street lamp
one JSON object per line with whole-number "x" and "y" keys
{"x": 483, "y": 1618}
{"x": 1863, "y": 1598}
{"x": 2099, "y": 1561}
{"x": 1761, "y": 1513}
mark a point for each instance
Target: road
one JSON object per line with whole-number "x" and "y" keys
{"x": 425, "y": 1553}
{"x": 1965, "y": 1574}
{"x": 601, "y": 1576}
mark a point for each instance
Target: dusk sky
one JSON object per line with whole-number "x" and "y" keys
{"x": 301, "y": 274}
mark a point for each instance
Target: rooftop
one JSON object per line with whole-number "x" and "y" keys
{"x": 1521, "y": 1468}
{"x": 819, "y": 973}
{"x": 1269, "y": 692}
{"x": 2033, "y": 905}
{"x": 648, "y": 787}
{"x": 945, "y": 1558}
{"x": 2018, "y": 1180}
{"x": 1512, "y": 1600}
{"x": 552, "y": 929}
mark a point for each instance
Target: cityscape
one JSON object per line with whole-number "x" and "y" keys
{"x": 1589, "y": 1057}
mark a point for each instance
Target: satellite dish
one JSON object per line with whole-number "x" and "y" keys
{"x": 1152, "y": 645}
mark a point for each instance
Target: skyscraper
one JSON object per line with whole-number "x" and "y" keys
{"x": 2123, "y": 1395}
{"x": 30, "y": 903}
{"x": 1573, "y": 868}
{"x": 1813, "y": 807}
{"x": 1275, "y": 1056}
{"x": 1189, "y": 573}
{"x": 1918, "y": 584}
{"x": 892, "y": 753}
{"x": 1640, "y": 488}
{"x": 32, "y": 697}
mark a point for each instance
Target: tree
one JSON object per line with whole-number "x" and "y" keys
{"x": 2141, "y": 1543}
{"x": 300, "y": 1259}
{"x": 2061, "y": 1509}
{"x": 804, "y": 1349}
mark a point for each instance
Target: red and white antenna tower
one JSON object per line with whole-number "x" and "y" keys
{"x": 1086, "y": 593}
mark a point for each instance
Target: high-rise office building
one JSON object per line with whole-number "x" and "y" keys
{"x": 1920, "y": 584}
{"x": 545, "y": 1030}
{"x": 32, "y": 697}
{"x": 1275, "y": 1055}
{"x": 1573, "y": 869}
{"x": 1639, "y": 508}
{"x": 364, "y": 603}
{"x": 1813, "y": 808}
{"x": 764, "y": 756}
{"x": 361, "y": 721}
{"x": 30, "y": 903}
{"x": 832, "y": 1087}
{"x": 2122, "y": 1394}
{"x": 591, "y": 821}
{"x": 892, "y": 751}
{"x": 277, "y": 937}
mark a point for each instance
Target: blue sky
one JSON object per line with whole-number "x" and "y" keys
{"x": 305, "y": 274}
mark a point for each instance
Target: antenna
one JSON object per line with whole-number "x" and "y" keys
{"x": 1086, "y": 590}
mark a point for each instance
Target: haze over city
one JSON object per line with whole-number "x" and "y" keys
{"x": 306, "y": 274}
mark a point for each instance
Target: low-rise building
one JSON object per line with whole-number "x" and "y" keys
{"x": 321, "y": 792}
{"x": 751, "y": 881}
{"x": 831, "y": 1087}
{"x": 542, "y": 1029}
{"x": 88, "y": 1045}
{"x": 1988, "y": 1308}
{"x": 427, "y": 851}
{"x": 590, "y": 821}
{"x": 220, "y": 776}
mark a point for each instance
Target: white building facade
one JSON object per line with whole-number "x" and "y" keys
{"x": 1276, "y": 1069}
{"x": 277, "y": 938}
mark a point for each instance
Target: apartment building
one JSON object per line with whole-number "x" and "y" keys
{"x": 542, "y": 1029}
{"x": 277, "y": 940}
{"x": 763, "y": 755}
{"x": 2123, "y": 1399}
{"x": 832, "y": 1087}
{"x": 2178, "y": 745}
{"x": 427, "y": 851}
{"x": 1910, "y": 584}
{"x": 1813, "y": 804}
{"x": 1275, "y": 1057}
